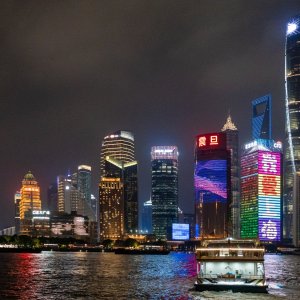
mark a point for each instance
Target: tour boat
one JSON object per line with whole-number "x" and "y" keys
{"x": 236, "y": 265}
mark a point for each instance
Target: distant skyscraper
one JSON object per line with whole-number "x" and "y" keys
{"x": 146, "y": 219}
{"x": 292, "y": 128}
{"x": 232, "y": 142}
{"x": 261, "y": 118}
{"x": 30, "y": 200}
{"x": 164, "y": 190}
{"x": 84, "y": 185}
{"x": 111, "y": 208}
{"x": 212, "y": 186}
{"x": 118, "y": 161}
{"x": 17, "y": 211}
{"x": 70, "y": 199}
{"x": 261, "y": 190}
{"x": 52, "y": 197}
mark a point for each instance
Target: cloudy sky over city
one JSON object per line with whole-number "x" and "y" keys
{"x": 73, "y": 71}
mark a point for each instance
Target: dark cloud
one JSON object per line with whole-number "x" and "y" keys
{"x": 72, "y": 71}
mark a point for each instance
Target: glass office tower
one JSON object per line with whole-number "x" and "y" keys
{"x": 292, "y": 129}
{"x": 164, "y": 190}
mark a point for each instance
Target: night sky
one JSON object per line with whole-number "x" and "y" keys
{"x": 73, "y": 71}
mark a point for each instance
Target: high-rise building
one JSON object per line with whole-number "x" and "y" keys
{"x": 296, "y": 213}
{"x": 30, "y": 201}
{"x": 292, "y": 132}
{"x": 232, "y": 142}
{"x": 111, "y": 208}
{"x": 70, "y": 199}
{"x": 118, "y": 161}
{"x": 261, "y": 190}
{"x": 262, "y": 118}
{"x": 146, "y": 220}
{"x": 17, "y": 211}
{"x": 164, "y": 190}
{"x": 212, "y": 186}
{"x": 84, "y": 186}
{"x": 52, "y": 204}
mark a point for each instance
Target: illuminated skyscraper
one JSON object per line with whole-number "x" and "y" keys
{"x": 164, "y": 190}
{"x": 118, "y": 162}
{"x": 292, "y": 128}
{"x": 146, "y": 219}
{"x": 262, "y": 118}
{"x": 30, "y": 200}
{"x": 111, "y": 208}
{"x": 212, "y": 186}
{"x": 232, "y": 142}
{"x": 118, "y": 145}
{"x": 261, "y": 190}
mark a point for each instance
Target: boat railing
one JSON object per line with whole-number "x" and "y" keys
{"x": 232, "y": 253}
{"x": 231, "y": 276}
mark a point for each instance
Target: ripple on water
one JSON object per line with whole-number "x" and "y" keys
{"x": 53, "y": 275}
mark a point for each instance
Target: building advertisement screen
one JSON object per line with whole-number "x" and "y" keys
{"x": 211, "y": 180}
{"x": 269, "y": 196}
{"x": 211, "y": 141}
{"x": 180, "y": 231}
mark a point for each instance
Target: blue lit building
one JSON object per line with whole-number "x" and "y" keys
{"x": 261, "y": 117}
{"x": 292, "y": 128}
{"x": 146, "y": 220}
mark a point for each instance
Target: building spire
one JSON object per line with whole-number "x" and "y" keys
{"x": 229, "y": 125}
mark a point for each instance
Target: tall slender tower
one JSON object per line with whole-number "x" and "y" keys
{"x": 118, "y": 162}
{"x": 292, "y": 128}
{"x": 30, "y": 200}
{"x": 232, "y": 142}
{"x": 164, "y": 190}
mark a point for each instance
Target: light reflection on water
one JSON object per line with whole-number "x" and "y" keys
{"x": 54, "y": 275}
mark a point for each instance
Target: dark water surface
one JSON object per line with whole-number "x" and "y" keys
{"x": 54, "y": 275}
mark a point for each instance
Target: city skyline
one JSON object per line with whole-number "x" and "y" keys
{"x": 161, "y": 80}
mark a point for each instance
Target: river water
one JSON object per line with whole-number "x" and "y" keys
{"x": 55, "y": 275}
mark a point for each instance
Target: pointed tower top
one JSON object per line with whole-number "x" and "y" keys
{"x": 229, "y": 125}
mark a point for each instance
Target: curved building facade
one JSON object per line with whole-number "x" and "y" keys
{"x": 292, "y": 102}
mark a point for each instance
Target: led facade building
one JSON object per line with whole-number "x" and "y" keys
{"x": 261, "y": 118}
{"x": 111, "y": 208}
{"x": 232, "y": 142}
{"x": 212, "y": 186}
{"x": 118, "y": 162}
{"x": 30, "y": 200}
{"x": 164, "y": 190}
{"x": 261, "y": 191}
{"x": 292, "y": 128}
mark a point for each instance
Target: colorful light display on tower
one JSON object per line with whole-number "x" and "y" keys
{"x": 269, "y": 196}
{"x": 261, "y": 192}
{"x": 212, "y": 186}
